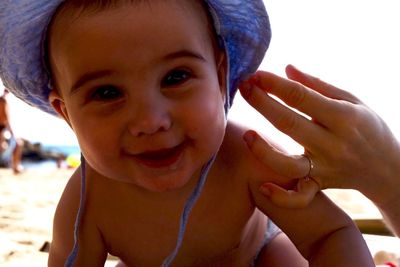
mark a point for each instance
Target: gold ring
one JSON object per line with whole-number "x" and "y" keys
{"x": 311, "y": 164}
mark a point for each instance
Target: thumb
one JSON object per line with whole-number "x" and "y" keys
{"x": 300, "y": 197}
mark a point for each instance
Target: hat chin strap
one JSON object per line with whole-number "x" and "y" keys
{"x": 72, "y": 256}
{"x": 191, "y": 201}
{"x": 194, "y": 196}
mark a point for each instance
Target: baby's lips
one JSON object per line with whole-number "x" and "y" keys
{"x": 158, "y": 154}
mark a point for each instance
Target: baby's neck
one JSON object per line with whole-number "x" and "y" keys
{"x": 178, "y": 195}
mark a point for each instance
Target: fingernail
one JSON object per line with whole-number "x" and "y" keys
{"x": 246, "y": 88}
{"x": 255, "y": 79}
{"x": 249, "y": 137}
{"x": 265, "y": 190}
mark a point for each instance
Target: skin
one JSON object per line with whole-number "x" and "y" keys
{"x": 132, "y": 108}
{"x": 349, "y": 144}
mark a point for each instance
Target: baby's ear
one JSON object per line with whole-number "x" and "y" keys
{"x": 57, "y": 102}
{"x": 222, "y": 66}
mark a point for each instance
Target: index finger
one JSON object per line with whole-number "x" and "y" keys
{"x": 300, "y": 197}
{"x": 320, "y": 86}
{"x": 298, "y": 96}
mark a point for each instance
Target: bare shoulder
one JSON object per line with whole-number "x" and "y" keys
{"x": 253, "y": 172}
{"x": 64, "y": 227}
{"x": 236, "y": 153}
{"x": 234, "y": 150}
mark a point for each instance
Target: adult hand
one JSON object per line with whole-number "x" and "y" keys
{"x": 346, "y": 143}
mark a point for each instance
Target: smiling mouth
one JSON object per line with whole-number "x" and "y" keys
{"x": 161, "y": 158}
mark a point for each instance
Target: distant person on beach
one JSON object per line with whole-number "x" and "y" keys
{"x": 10, "y": 147}
{"x": 347, "y": 145}
{"x": 146, "y": 87}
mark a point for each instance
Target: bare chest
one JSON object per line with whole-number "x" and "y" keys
{"x": 223, "y": 230}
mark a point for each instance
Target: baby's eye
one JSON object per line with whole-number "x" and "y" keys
{"x": 106, "y": 93}
{"x": 175, "y": 77}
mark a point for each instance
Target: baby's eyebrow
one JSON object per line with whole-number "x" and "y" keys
{"x": 101, "y": 73}
{"x": 88, "y": 77}
{"x": 184, "y": 53}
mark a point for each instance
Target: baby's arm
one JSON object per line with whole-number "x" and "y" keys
{"x": 92, "y": 251}
{"x": 280, "y": 252}
{"x": 323, "y": 233}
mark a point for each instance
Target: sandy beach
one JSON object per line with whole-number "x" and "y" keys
{"x": 28, "y": 202}
{"x": 27, "y": 205}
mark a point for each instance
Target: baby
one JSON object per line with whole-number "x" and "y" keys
{"x": 146, "y": 86}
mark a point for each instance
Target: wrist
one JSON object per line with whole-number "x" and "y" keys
{"x": 383, "y": 189}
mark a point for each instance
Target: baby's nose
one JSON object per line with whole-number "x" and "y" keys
{"x": 149, "y": 118}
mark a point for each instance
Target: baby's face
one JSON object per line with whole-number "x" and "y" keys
{"x": 139, "y": 86}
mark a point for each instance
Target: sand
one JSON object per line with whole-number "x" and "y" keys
{"x": 28, "y": 202}
{"x": 27, "y": 205}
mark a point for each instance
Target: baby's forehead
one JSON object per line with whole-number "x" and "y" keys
{"x": 75, "y": 8}
{"x": 150, "y": 38}
{"x": 72, "y": 10}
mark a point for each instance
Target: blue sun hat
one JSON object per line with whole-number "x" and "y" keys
{"x": 242, "y": 27}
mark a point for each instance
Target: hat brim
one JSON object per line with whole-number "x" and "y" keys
{"x": 242, "y": 26}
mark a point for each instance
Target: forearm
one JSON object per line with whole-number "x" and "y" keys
{"x": 384, "y": 191}
{"x": 344, "y": 247}
{"x": 390, "y": 208}
{"x": 322, "y": 232}
{"x": 391, "y": 216}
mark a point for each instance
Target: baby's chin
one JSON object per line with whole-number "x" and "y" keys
{"x": 169, "y": 182}
{"x": 183, "y": 173}
{"x": 159, "y": 181}
{"x": 160, "y": 173}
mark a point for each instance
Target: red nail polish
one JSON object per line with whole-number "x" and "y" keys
{"x": 254, "y": 79}
{"x": 246, "y": 88}
{"x": 265, "y": 190}
{"x": 249, "y": 137}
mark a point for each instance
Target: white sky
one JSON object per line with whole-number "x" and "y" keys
{"x": 353, "y": 44}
